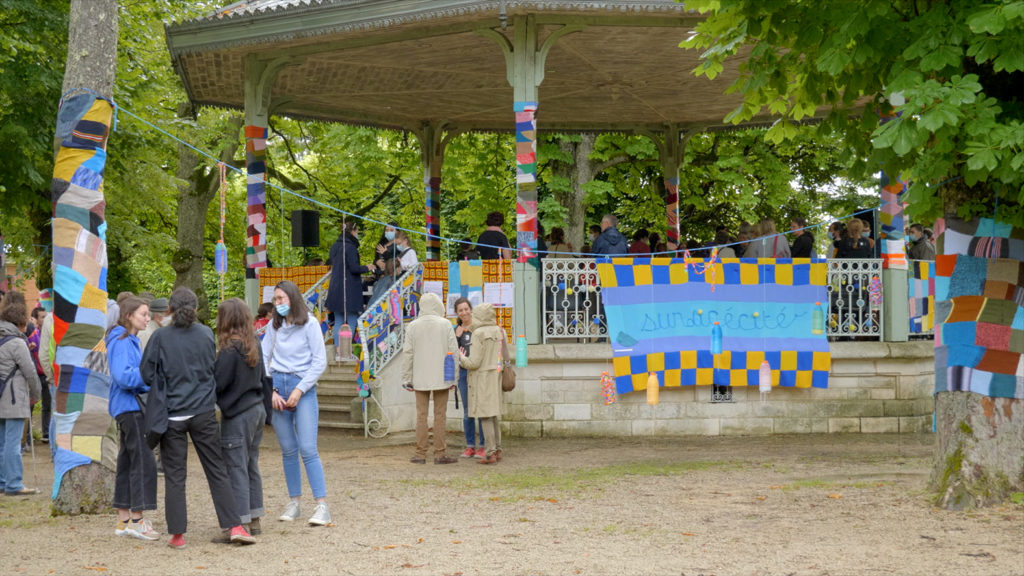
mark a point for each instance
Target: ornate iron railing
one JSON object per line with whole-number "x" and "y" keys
{"x": 572, "y": 299}
{"x": 382, "y": 326}
{"x": 855, "y": 298}
{"x": 573, "y": 309}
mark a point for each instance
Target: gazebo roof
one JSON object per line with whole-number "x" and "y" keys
{"x": 399, "y": 63}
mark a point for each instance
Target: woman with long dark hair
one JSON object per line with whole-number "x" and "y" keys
{"x": 179, "y": 360}
{"x": 135, "y": 480}
{"x": 294, "y": 353}
{"x": 242, "y": 395}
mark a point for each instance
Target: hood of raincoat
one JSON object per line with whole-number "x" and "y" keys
{"x": 430, "y": 305}
{"x": 483, "y": 315}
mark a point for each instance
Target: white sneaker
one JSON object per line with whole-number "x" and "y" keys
{"x": 291, "y": 512}
{"x": 321, "y": 516}
{"x": 142, "y": 530}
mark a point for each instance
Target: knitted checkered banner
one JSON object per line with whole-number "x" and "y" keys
{"x": 701, "y": 322}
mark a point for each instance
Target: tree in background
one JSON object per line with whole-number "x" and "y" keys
{"x": 952, "y": 73}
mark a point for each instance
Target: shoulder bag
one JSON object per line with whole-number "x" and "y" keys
{"x": 508, "y": 373}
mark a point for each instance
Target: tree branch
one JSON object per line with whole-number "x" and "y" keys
{"x": 395, "y": 179}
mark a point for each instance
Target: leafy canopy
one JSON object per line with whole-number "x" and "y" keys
{"x": 951, "y": 71}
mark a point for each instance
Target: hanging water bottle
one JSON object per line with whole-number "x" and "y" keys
{"x": 521, "y": 359}
{"x": 449, "y": 369}
{"x": 716, "y": 339}
{"x": 818, "y": 319}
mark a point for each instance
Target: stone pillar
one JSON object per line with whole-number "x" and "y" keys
{"x": 259, "y": 78}
{"x": 896, "y": 310}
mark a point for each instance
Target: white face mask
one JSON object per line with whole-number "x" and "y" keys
{"x": 165, "y": 321}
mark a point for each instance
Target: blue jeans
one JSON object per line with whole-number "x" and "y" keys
{"x": 349, "y": 318}
{"x": 468, "y": 424}
{"x": 296, "y": 433}
{"x": 11, "y": 430}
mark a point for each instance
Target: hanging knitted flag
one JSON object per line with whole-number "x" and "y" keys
{"x": 396, "y": 307}
{"x": 608, "y": 389}
{"x": 220, "y": 258}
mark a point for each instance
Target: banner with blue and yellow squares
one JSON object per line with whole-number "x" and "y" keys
{"x": 661, "y": 315}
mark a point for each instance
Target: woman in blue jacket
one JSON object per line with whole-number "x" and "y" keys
{"x": 135, "y": 483}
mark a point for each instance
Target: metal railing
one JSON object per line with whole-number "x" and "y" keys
{"x": 855, "y": 298}
{"x": 572, "y": 299}
{"x": 382, "y": 325}
{"x": 573, "y": 309}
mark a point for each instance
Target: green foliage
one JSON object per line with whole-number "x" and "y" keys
{"x": 953, "y": 70}
{"x": 33, "y": 45}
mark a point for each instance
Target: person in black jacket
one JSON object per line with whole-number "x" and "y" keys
{"x": 345, "y": 294}
{"x": 178, "y": 363}
{"x": 803, "y": 240}
{"x": 243, "y": 394}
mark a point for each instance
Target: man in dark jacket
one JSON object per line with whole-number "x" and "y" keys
{"x": 345, "y": 293}
{"x": 803, "y": 240}
{"x": 920, "y": 247}
{"x": 611, "y": 241}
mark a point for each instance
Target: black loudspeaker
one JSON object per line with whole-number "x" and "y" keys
{"x": 305, "y": 228}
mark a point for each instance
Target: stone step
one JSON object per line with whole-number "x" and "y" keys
{"x": 343, "y": 425}
{"x": 335, "y": 388}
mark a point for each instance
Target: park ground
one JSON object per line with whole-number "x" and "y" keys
{"x": 778, "y": 505}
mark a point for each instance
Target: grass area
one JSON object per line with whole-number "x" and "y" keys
{"x": 545, "y": 483}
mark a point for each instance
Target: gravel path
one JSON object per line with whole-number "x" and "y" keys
{"x": 801, "y": 505}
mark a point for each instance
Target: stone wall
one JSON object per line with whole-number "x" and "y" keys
{"x": 874, "y": 387}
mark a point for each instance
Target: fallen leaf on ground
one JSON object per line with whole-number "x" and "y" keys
{"x": 762, "y": 498}
{"x": 776, "y": 487}
{"x": 390, "y": 546}
{"x": 200, "y": 567}
{"x": 419, "y": 541}
{"x": 456, "y": 541}
{"x": 96, "y": 568}
{"x": 835, "y": 496}
{"x": 408, "y": 565}
{"x": 688, "y": 534}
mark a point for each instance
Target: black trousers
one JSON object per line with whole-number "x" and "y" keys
{"x": 135, "y": 482}
{"x": 47, "y": 406}
{"x": 205, "y": 434}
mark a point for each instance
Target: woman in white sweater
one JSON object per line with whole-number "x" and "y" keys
{"x": 294, "y": 354}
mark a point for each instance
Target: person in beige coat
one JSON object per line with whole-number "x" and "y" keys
{"x": 428, "y": 340}
{"x": 19, "y": 394}
{"x": 485, "y": 379}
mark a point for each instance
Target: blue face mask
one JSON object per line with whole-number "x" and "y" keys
{"x": 283, "y": 309}
{"x": 865, "y": 234}
{"x": 389, "y": 235}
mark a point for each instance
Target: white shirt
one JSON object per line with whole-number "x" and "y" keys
{"x": 409, "y": 259}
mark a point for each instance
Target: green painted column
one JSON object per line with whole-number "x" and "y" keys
{"x": 259, "y": 77}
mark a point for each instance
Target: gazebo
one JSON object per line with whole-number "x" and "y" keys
{"x": 444, "y": 67}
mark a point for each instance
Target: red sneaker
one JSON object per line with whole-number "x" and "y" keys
{"x": 480, "y": 454}
{"x": 177, "y": 541}
{"x": 468, "y": 453}
{"x": 239, "y": 535}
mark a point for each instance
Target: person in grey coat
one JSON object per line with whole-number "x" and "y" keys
{"x": 20, "y": 391}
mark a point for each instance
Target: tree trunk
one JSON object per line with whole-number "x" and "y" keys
{"x": 200, "y": 184}
{"x": 90, "y": 70}
{"x": 979, "y": 458}
{"x": 579, "y": 172}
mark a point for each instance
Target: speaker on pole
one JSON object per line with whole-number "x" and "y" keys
{"x": 305, "y": 228}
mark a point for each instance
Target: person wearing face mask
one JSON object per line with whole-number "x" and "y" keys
{"x": 293, "y": 352}
{"x": 345, "y": 294}
{"x": 386, "y": 248}
{"x": 158, "y": 318}
{"x": 406, "y": 255}
{"x": 920, "y": 247}
{"x": 854, "y": 245}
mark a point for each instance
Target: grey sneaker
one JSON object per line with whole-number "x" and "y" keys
{"x": 291, "y": 512}
{"x": 321, "y": 516}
